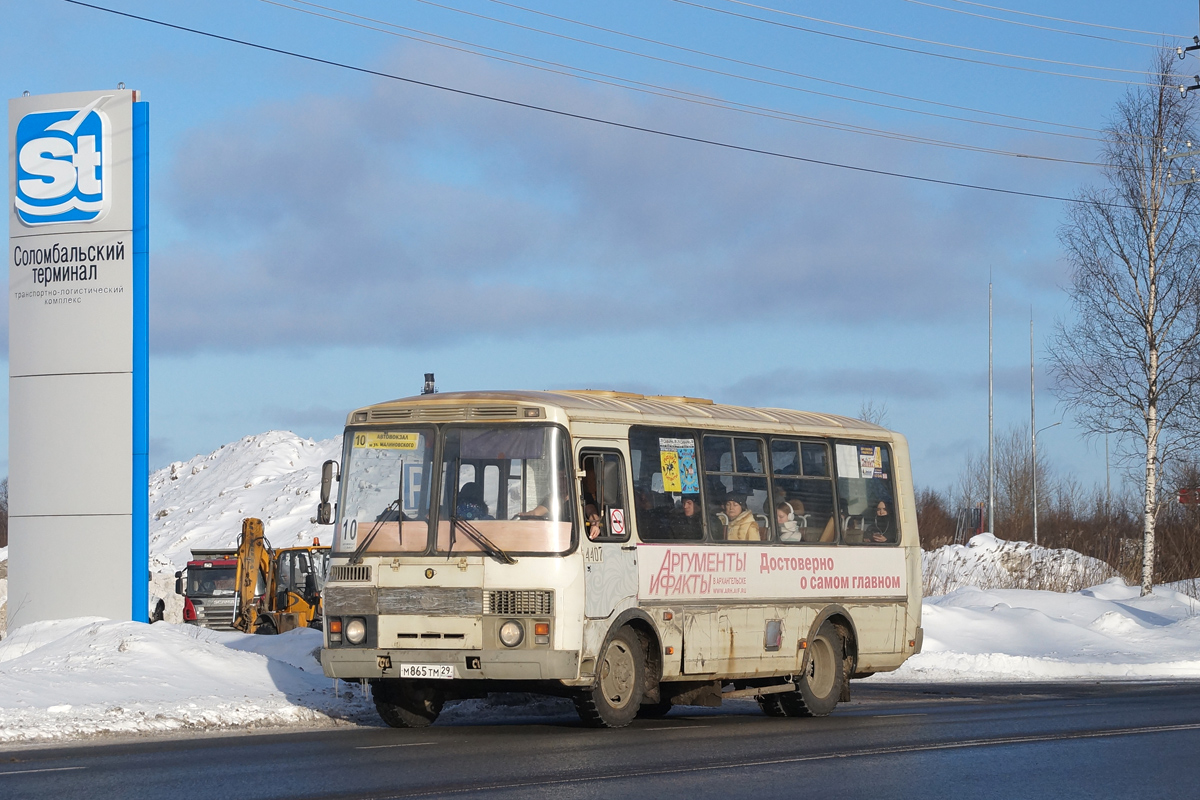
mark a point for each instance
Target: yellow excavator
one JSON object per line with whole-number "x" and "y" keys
{"x": 277, "y": 590}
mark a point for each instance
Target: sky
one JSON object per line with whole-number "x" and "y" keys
{"x": 321, "y": 236}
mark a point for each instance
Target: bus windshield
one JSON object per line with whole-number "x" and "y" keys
{"x": 385, "y": 504}
{"x": 512, "y": 489}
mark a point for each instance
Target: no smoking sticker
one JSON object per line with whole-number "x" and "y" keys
{"x": 616, "y": 519}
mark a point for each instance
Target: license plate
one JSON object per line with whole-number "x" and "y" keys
{"x": 445, "y": 671}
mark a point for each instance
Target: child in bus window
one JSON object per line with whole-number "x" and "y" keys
{"x": 785, "y": 518}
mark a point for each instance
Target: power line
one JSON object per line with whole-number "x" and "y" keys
{"x": 1032, "y": 25}
{"x": 1070, "y": 21}
{"x": 663, "y": 91}
{"x": 597, "y": 120}
{"x": 794, "y": 74}
{"x": 742, "y": 63}
{"x": 898, "y": 48}
{"x": 919, "y": 40}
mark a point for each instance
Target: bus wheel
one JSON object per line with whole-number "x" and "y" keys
{"x": 655, "y": 710}
{"x": 818, "y": 689}
{"x": 771, "y": 705}
{"x": 615, "y": 699}
{"x": 402, "y": 705}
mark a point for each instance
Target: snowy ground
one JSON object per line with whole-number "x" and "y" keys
{"x": 88, "y": 676}
{"x": 1103, "y": 632}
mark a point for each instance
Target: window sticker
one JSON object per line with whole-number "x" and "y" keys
{"x": 848, "y": 464}
{"x": 386, "y": 440}
{"x": 871, "y": 462}
{"x": 866, "y": 461}
{"x": 616, "y": 519}
{"x": 681, "y": 476}
{"x": 670, "y": 470}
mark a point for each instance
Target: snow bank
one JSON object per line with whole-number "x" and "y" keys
{"x": 275, "y": 476}
{"x": 89, "y": 676}
{"x": 1104, "y": 632}
{"x": 990, "y": 563}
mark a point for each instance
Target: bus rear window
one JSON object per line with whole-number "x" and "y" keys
{"x": 866, "y": 496}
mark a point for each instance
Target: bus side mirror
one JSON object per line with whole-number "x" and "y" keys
{"x": 328, "y": 474}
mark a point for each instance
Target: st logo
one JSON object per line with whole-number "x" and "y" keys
{"x": 64, "y": 170}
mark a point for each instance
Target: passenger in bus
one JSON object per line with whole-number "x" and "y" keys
{"x": 591, "y": 516}
{"x": 881, "y": 528}
{"x": 742, "y": 526}
{"x": 687, "y": 522}
{"x": 785, "y": 519}
{"x": 470, "y": 502}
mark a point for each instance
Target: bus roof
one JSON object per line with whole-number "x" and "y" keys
{"x": 594, "y": 405}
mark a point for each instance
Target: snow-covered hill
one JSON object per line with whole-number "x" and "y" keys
{"x": 275, "y": 476}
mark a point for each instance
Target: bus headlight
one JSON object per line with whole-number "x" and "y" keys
{"x": 511, "y": 633}
{"x": 356, "y": 631}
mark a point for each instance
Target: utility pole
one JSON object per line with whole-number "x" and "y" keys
{"x": 1032, "y": 429}
{"x": 991, "y": 454}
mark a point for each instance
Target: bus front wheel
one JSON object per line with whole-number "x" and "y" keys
{"x": 402, "y": 704}
{"x": 620, "y": 679}
{"x": 820, "y": 686}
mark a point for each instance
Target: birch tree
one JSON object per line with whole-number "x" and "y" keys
{"x": 1127, "y": 363}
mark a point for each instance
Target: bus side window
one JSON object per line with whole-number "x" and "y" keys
{"x": 866, "y": 494}
{"x": 803, "y": 505}
{"x": 735, "y": 485}
{"x": 605, "y": 512}
{"x": 666, "y": 484}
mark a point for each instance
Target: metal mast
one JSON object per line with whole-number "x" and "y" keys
{"x": 1032, "y": 431}
{"x": 991, "y": 455}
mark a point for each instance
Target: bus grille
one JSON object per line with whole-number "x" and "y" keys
{"x": 346, "y": 572}
{"x": 494, "y": 412}
{"x": 435, "y": 413}
{"x": 527, "y": 603}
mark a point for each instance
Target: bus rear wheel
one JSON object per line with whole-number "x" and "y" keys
{"x": 620, "y": 679}
{"x": 820, "y": 686}
{"x": 402, "y": 704}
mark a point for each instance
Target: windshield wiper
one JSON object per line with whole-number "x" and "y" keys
{"x": 474, "y": 535}
{"x": 356, "y": 556}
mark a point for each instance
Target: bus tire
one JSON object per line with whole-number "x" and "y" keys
{"x": 402, "y": 705}
{"x": 655, "y": 710}
{"x": 771, "y": 705}
{"x": 620, "y": 680}
{"x": 820, "y": 686}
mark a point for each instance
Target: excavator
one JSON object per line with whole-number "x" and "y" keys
{"x": 277, "y": 590}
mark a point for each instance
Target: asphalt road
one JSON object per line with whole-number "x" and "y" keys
{"x": 1084, "y": 741}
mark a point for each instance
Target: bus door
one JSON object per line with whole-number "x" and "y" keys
{"x": 610, "y": 557}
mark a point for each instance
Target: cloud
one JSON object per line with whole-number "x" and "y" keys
{"x": 407, "y": 217}
{"x": 879, "y": 384}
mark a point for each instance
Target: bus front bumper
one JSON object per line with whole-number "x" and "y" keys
{"x": 353, "y": 663}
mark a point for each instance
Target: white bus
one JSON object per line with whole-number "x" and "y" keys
{"x": 627, "y": 551}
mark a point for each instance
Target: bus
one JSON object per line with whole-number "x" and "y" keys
{"x": 629, "y": 552}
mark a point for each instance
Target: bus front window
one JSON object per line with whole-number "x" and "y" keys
{"x": 386, "y": 506}
{"x": 509, "y": 483}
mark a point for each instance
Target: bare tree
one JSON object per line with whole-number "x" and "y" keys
{"x": 875, "y": 413}
{"x": 1127, "y": 363}
{"x": 1014, "y": 483}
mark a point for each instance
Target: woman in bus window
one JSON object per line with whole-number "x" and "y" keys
{"x": 882, "y": 527}
{"x": 742, "y": 526}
